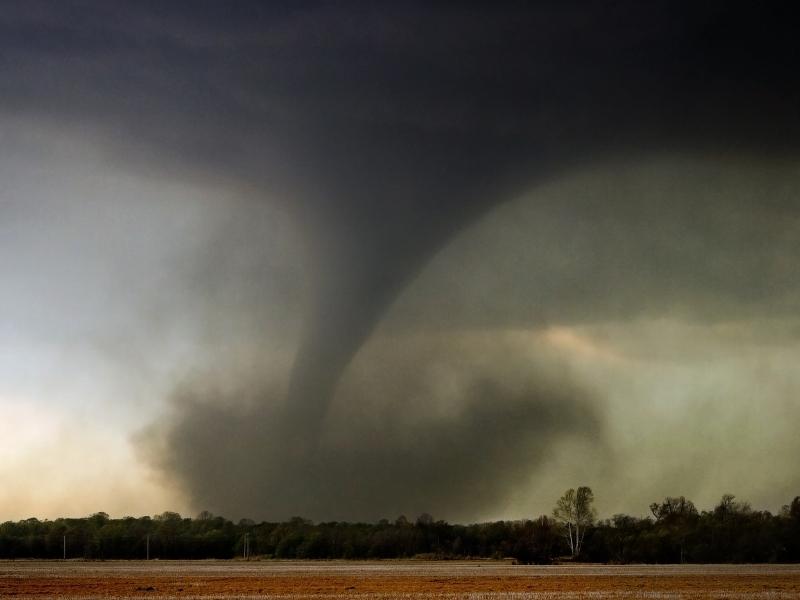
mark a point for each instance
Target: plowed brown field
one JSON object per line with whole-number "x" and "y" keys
{"x": 389, "y": 580}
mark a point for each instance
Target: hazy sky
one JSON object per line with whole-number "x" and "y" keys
{"x": 352, "y": 261}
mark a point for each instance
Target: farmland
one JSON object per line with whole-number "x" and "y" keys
{"x": 389, "y": 580}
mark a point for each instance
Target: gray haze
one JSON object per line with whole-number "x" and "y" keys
{"x": 340, "y": 150}
{"x": 542, "y": 345}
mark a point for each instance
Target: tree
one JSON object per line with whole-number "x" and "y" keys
{"x": 424, "y": 520}
{"x": 678, "y": 517}
{"x": 674, "y": 508}
{"x": 575, "y": 512}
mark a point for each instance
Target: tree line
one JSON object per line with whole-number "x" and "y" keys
{"x": 674, "y": 531}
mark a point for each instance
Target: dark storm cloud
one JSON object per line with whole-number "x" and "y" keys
{"x": 386, "y": 130}
{"x": 397, "y": 440}
{"x": 705, "y": 240}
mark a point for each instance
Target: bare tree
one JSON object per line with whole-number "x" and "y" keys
{"x": 575, "y": 512}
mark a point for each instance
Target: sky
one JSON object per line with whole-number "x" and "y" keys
{"x": 351, "y": 261}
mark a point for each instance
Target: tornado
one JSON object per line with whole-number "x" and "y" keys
{"x": 384, "y": 132}
{"x": 473, "y": 133}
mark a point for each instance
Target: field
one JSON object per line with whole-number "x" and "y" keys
{"x": 388, "y": 580}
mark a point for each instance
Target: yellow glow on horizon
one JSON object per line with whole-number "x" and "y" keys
{"x": 53, "y": 465}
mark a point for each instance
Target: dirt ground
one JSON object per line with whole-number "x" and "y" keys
{"x": 390, "y": 579}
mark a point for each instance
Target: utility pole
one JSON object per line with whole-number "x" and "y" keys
{"x": 148, "y": 546}
{"x": 246, "y": 547}
{"x": 64, "y": 547}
